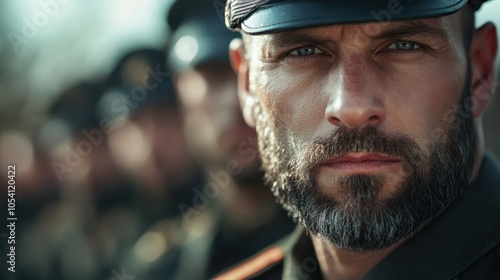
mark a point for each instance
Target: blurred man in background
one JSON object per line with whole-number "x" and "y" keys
{"x": 148, "y": 145}
{"x": 242, "y": 217}
{"x": 147, "y": 142}
{"x": 63, "y": 239}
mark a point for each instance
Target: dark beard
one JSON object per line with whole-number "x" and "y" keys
{"x": 361, "y": 221}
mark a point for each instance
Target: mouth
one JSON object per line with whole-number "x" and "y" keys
{"x": 352, "y": 163}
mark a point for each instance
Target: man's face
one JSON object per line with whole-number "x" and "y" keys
{"x": 365, "y": 130}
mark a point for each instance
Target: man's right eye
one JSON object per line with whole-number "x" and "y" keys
{"x": 305, "y": 51}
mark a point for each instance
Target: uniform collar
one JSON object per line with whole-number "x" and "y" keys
{"x": 300, "y": 260}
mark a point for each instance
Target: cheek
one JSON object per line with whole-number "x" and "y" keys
{"x": 418, "y": 98}
{"x": 292, "y": 98}
{"x": 423, "y": 99}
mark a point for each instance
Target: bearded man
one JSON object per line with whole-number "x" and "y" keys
{"x": 368, "y": 116}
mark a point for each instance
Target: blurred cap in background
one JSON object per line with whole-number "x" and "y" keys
{"x": 70, "y": 114}
{"x": 139, "y": 81}
{"x": 199, "y": 36}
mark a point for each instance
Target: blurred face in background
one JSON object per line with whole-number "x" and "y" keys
{"x": 150, "y": 147}
{"x": 213, "y": 122}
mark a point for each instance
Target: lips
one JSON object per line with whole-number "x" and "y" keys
{"x": 360, "y": 162}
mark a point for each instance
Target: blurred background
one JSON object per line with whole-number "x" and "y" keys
{"x": 103, "y": 104}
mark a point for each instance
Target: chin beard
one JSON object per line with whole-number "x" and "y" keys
{"x": 360, "y": 220}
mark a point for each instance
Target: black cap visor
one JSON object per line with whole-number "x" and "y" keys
{"x": 295, "y": 14}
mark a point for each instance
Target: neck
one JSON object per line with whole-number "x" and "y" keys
{"x": 343, "y": 265}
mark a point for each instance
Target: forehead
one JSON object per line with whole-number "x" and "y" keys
{"x": 446, "y": 27}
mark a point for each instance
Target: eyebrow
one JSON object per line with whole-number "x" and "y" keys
{"x": 412, "y": 28}
{"x": 400, "y": 29}
{"x": 287, "y": 38}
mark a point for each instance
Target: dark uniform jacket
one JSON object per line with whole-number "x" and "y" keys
{"x": 462, "y": 243}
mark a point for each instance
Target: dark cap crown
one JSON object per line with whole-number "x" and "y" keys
{"x": 266, "y": 16}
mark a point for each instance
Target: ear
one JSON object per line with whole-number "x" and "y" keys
{"x": 241, "y": 67}
{"x": 483, "y": 53}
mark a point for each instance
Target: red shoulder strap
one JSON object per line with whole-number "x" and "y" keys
{"x": 253, "y": 265}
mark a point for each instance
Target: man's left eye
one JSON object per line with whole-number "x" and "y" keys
{"x": 304, "y": 51}
{"x": 404, "y": 46}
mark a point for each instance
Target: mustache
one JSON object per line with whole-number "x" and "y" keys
{"x": 368, "y": 139}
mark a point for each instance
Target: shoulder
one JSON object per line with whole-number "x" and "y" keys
{"x": 486, "y": 267}
{"x": 267, "y": 264}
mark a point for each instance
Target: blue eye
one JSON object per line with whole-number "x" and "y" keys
{"x": 304, "y": 51}
{"x": 404, "y": 46}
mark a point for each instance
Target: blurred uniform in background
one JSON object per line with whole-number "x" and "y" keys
{"x": 233, "y": 215}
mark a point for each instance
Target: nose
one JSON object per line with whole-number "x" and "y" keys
{"x": 354, "y": 98}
